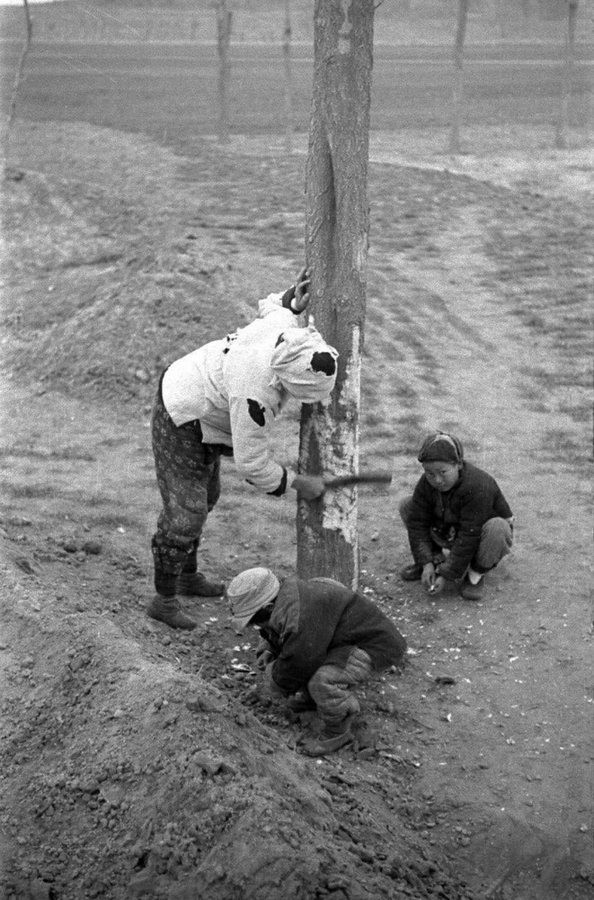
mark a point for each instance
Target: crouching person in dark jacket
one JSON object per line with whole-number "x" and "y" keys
{"x": 459, "y": 524}
{"x": 321, "y": 641}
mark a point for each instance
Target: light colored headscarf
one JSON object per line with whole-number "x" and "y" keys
{"x": 250, "y": 591}
{"x": 305, "y": 364}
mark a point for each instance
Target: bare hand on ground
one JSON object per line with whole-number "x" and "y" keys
{"x": 431, "y": 582}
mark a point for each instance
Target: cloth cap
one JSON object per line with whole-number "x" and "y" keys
{"x": 305, "y": 364}
{"x": 250, "y": 591}
{"x": 441, "y": 447}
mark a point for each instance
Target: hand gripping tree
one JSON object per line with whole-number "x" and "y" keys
{"x": 337, "y": 231}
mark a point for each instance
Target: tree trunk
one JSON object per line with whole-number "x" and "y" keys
{"x": 288, "y": 79}
{"x": 563, "y": 121}
{"x": 223, "y": 43}
{"x": 551, "y": 9}
{"x": 21, "y": 65}
{"x": 458, "y": 85}
{"x": 526, "y": 15}
{"x": 337, "y": 234}
{"x": 501, "y": 14}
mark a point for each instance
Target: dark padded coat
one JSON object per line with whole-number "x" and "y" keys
{"x": 459, "y": 513}
{"x": 318, "y": 622}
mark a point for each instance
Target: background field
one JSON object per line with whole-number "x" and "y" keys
{"x": 427, "y": 21}
{"x": 141, "y": 763}
{"x": 167, "y": 85}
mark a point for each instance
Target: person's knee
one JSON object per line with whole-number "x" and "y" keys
{"x": 186, "y": 517}
{"x": 358, "y": 667}
{"x": 331, "y": 693}
{"x": 180, "y": 530}
{"x": 404, "y": 509}
{"x": 326, "y": 680}
{"x": 496, "y": 542}
{"x": 330, "y": 685}
{"x": 498, "y": 531}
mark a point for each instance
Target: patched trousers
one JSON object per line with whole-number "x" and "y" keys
{"x": 188, "y": 477}
{"x": 331, "y": 687}
{"x": 495, "y": 543}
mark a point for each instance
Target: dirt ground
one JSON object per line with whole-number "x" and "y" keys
{"x": 139, "y": 762}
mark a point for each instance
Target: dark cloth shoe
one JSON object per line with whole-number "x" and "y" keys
{"x": 412, "y": 572}
{"x": 330, "y": 739}
{"x": 195, "y": 584}
{"x": 168, "y": 610}
{"x": 470, "y": 591}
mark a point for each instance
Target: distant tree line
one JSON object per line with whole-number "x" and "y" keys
{"x": 543, "y": 9}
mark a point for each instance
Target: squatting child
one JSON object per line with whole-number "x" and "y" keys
{"x": 459, "y": 524}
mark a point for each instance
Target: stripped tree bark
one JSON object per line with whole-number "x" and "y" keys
{"x": 21, "y": 65}
{"x": 337, "y": 233}
{"x": 224, "y": 17}
{"x": 568, "y": 64}
{"x": 288, "y": 79}
{"x": 458, "y": 85}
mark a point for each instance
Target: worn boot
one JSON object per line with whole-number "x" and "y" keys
{"x": 470, "y": 591}
{"x": 168, "y": 610}
{"x": 331, "y": 738}
{"x": 411, "y": 572}
{"x": 414, "y": 571}
{"x": 195, "y": 584}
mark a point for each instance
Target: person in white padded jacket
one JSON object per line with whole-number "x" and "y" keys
{"x": 222, "y": 399}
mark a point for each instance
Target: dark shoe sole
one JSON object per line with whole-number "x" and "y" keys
{"x": 175, "y": 619}
{"x": 469, "y": 592}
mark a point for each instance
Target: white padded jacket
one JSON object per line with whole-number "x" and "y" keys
{"x": 237, "y": 387}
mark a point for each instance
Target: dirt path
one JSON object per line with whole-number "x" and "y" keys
{"x": 508, "y": 731}
{"x": 136, "y": 761}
